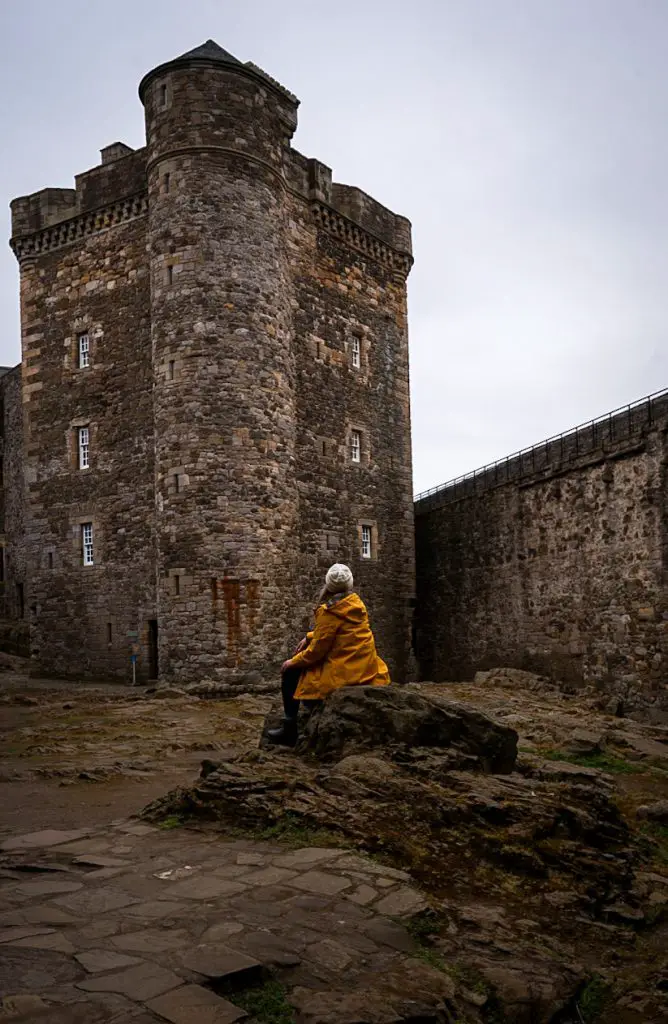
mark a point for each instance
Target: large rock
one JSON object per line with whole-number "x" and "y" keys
{"x": 359, "y": 718}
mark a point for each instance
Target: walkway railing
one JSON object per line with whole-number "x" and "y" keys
{"x": 615, "y": 426}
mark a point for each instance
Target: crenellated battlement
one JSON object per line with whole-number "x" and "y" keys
{"x": 103, "y": 196}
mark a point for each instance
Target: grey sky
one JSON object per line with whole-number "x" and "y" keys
{"x": 525, "y": 140}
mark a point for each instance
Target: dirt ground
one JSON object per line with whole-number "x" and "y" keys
{"x": 75, "y": 754}
{"x": 72, "y": 754}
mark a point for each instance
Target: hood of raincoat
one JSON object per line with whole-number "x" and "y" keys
{"x": 350, "y": 607}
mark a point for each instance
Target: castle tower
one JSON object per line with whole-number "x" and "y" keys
{"x": 214, "y": 395}
{"x": 218, "y": 132}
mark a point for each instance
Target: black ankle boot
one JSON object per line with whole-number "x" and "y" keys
{"x": 285, "y": 735}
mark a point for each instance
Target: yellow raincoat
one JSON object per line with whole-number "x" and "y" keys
{"x": 341, "y": 651}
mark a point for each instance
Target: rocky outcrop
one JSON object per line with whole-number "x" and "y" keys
{"x": 361, "y": 718}
{"x": 522, "y": 858}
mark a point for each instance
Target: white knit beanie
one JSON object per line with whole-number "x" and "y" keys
{"x": 338, "y": 578}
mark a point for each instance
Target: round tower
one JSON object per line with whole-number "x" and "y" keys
{"x": 218, "y": 133}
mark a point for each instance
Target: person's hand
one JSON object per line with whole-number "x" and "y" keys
{"x": 285, "y": 666}
{"x": 301, "y": 645}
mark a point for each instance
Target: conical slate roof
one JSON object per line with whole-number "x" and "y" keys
{"x": 211, "y": 53}
{"x": 210, "y": 50}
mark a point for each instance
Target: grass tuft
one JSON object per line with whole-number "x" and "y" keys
{"x": 602, "y": 760}
{"x": 292, "y": 831}
{"x": 592, "y": 999}
{"x": 267, "y": 1004}
{"x": 171, "y": 821}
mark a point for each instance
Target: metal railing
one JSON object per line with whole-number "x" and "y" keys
{"x": 613, "y": 426}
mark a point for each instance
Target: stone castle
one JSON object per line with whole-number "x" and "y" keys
{"x": 213, "y": 406}
{"x": 213, "y": 402}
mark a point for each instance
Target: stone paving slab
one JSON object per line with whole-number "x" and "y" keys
{"x": 152, "y": 940}
{"x": 145, "y": 915}
{"x": 96, "y": 960}
{"x": 307, "y": 857}
{"x": 56, "y": 942}
{"x": 15, "y": 934}
{"x": 156, "y": 909}
{"x": 92, "y": 902}
{"x": 48, "y": 887}
{"x": 41, "y": 840}
{"x": 321, "y": 883}
{"x": 269, "y": 876}
{"x": 90, "y": 860}
{"x": 141, "y": 982}
{"x": 193, "y": 1004}
{"x": 39, "y": 914}
{"x": 221, "y": 963}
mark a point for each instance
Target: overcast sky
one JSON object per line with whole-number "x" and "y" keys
{"x": 524, "y": 139}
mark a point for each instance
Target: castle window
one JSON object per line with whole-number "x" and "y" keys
{"x": 355, "y": 352}
{"x": 49, "y": 559}
{"x": 87, "y": 543}
{"x": 84, "y": 448}
{"x": 84, "y": 350}
{"x": 163, "y": 95}
{"x": 109, "y": 632}
{"x": 177, "y": 585}
{"x": 171, "y": 369}
{"x": 366, "y": 551}
{"x": 356, "y": 445}
{"x": 165, "y": 181}
{"x": 170, "y": 273}
{"x": 177, "y": 485}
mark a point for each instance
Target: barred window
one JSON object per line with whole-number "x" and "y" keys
{"x": 366, "y": 542}
{"x": 87, "y": 543}
{"x": 356, "y": 354}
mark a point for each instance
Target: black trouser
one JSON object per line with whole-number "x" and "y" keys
{"x": 289, "y": 683}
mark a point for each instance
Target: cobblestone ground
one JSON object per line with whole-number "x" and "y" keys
{"x": 127, "y": 922}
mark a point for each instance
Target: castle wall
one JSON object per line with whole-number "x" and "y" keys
{"x": 554, "y": 562}
{"x": 13, "y": 611}
{"x": 347, "y": 297}
{"x": 85, "y": 617}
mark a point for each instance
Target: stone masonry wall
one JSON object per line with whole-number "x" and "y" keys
{"x": 558, "y": 567}
{"x": 13, "y": 610}
{"x": 84, "y": 618}
{"x": 346, "y": 297}
{"x": 221, "y": 308}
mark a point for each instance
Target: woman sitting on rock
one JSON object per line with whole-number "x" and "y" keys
{"x": 339, "y": 652}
